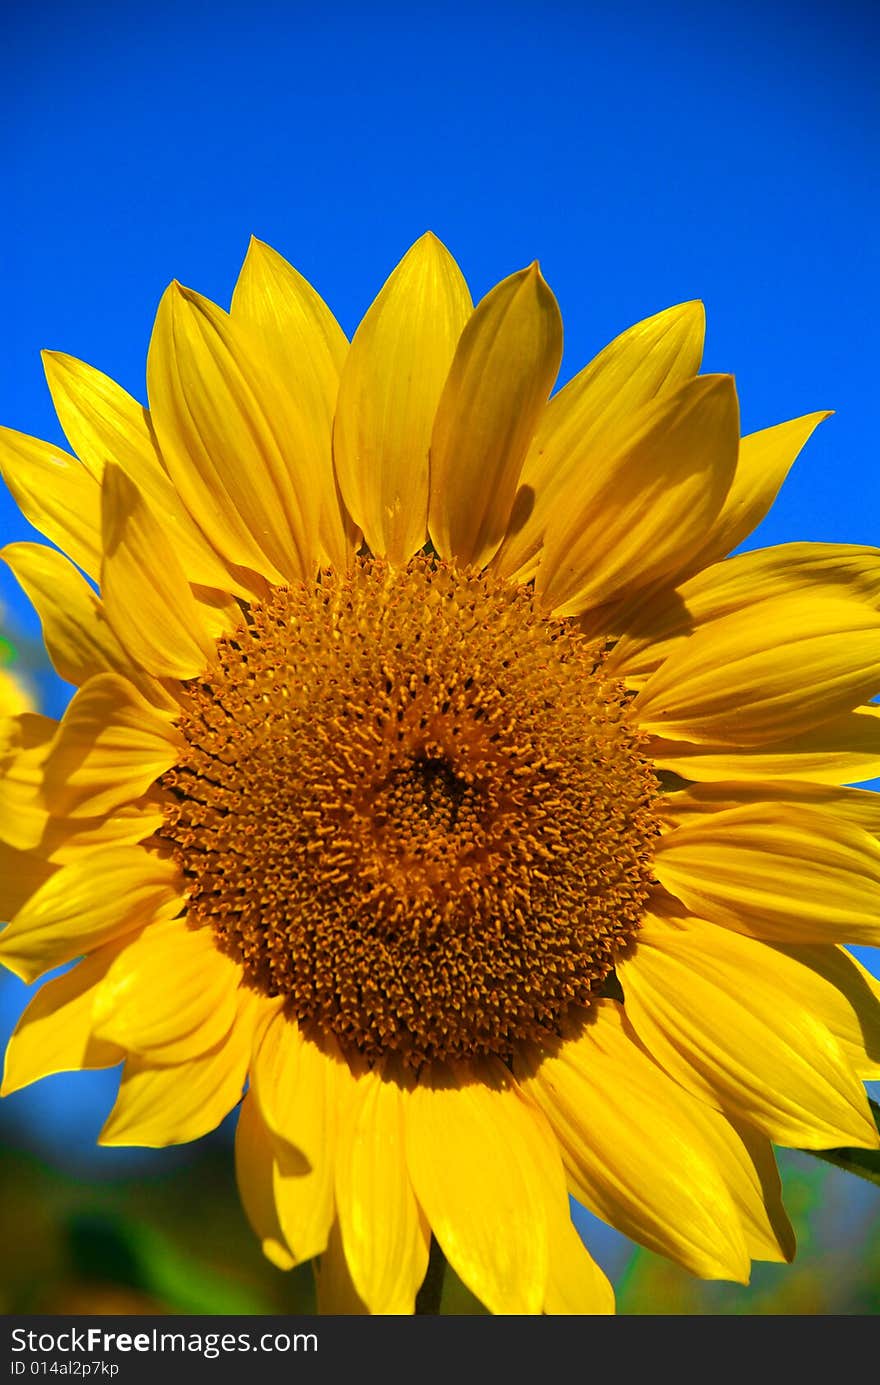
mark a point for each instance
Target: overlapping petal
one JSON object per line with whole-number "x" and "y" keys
{"x": 25, "y": 743}
{"x": 110, "y": 747}
{"x": 56, "y": 493}
{"x": 383, "y": 1229}
{"x": 233, "y": 442}
{"x": 79, "y": 638}
{"x": 254, "y": 1159}
{"x": 55, "y": 1033}
{"x": 641, "y": 512}
{"x": 301, "y": 1091}
{"x": 765, "y": 459}
{"x": 388, "y": 394}
{"x": 785, "y": 872}
{"x": 803, "y": 570}
{"x": 861, "y": 807}
{"x": 136, "y": 1009}
{"x": 307, "y": 348}
{"x": 591, "y": 417}
{"x": 843, "y": 750}
{"x": 104, "y": 424}
{"x": 715, "y": 1014}
{"x": 740, "y": 680}
{"x": 87, "y": 903}
{"x": 471, "y": 1158}
{"x": 498, "y": 384}
{"x": 616, "y": 1117}
{"x": 146, "y": 595}
{"x": 21, "y": 874}
{"x": 160, "y": 1105}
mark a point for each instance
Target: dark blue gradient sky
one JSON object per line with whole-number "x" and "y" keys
{"x": 644, "y": 154}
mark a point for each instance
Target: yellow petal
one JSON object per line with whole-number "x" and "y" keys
{"x": 828, "y": 982}
{"x": 159, "y": 1106}
{"x": 146, "y": 595}
{"x": 498, "y": 385}
{"x": 25, "y": 743}
{"x": 304, "y": 1201}
{"x": 719, "y": 1195}
{"x": 708, "y": 1006}
{"x": 590, "y": 416}
{"x": 844, "y": 750}
{"x": 78, "y": 638}
{"x": 21, "y": 873}
{"x": 85, "y": 904}
{"x": 321, "y": 1088}
{"x": 575, "y": 1285}
{"x": 136, "y": 1008}
{"x": 254, "y": 1159}
{"x": 617, "y": 1116}
{"x": 640, "y": 513}
{"x": 65, "y": 839}
{"x": 748, "y": 1166}
{"x": 768, "y": 672}
{"x": 300, "y": 1090}
{"x": 471, "y": 1160}
{"x": 388, "y": 394}
{"x": 769, "y": 1233}
{"x": 335, "y": 1290}
{"x": 104, "y": 424}
{"x": 55, "y": 1032}
{"x": 778, "y": 871}
{"x": 15, "y": 694}
{"x": 294, "y": 1084}
{"x": 861, "y": 807}
{"x": 231, "y": 440}
{"x": 384, "y": 1233}
{"x": 765, "y": 459}
{"x": 806, "y": 570}
{"x": 218, "y": 613}
{"x": 307, "y": 348}
{"x": 110, "y": 747}
{"x": 56, "y": 493}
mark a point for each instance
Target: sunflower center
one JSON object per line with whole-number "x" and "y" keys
{"x": 414, "y": 806}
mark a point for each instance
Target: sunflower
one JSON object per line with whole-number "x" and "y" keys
{"x": 436, "y": 778}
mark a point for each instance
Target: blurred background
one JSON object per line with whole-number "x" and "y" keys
{"x": 645, "y": 155}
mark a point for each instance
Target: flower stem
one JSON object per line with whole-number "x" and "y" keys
{"x": 429, "y": 1295}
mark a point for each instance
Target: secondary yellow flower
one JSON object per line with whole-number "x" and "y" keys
{"x": 433, "y": 772}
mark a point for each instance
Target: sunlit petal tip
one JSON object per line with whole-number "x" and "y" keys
{"x": 52, "y": 361}
{"x": 429, "y": 240}
{"x": 691, "y": 314}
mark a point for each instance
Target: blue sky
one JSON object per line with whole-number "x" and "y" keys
{"x": 644, "y": 154}
{"x": 643, "y": 157}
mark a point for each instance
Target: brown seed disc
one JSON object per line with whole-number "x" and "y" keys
{"x": 414, "y": 806}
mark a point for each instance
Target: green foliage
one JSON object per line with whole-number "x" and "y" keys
{"x": 110, "y": 1246}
